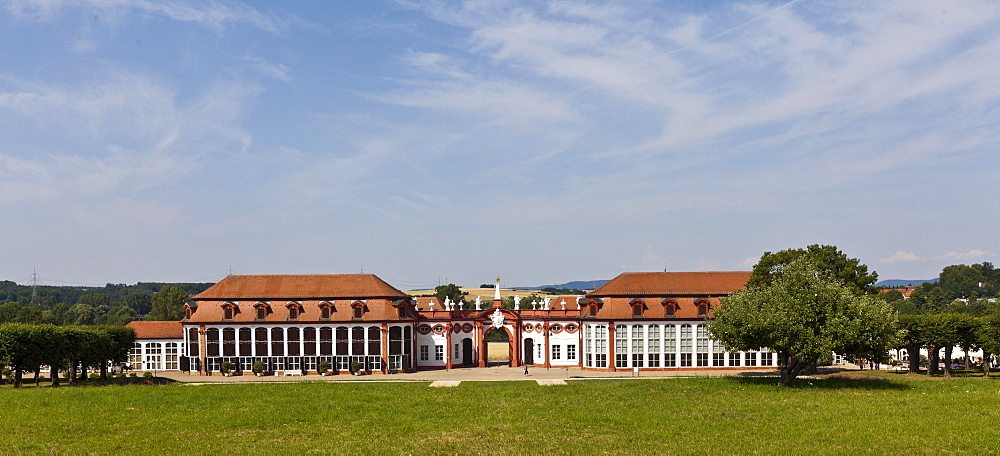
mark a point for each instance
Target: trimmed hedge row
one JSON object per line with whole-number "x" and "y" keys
{"x": 27, "y": 347}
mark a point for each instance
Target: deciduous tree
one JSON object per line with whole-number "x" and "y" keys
{"x": 912, "y": 337}
{"x": 805, "y": 316}
{"x": 168, "y": 304}
{"x": 988, "y": 335}
{"x": 830, "y": 262}
{"x": 451, "y": 291}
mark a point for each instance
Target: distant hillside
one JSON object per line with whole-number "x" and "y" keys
{"x": 577, "y": 284}
{"x": 900, "y": 283}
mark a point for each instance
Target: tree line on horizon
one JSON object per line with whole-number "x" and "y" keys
{"x": 961, "y": 310}
{"x": 113, "y": 304}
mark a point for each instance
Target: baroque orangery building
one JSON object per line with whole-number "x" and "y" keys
{"x": 292, "y": 323}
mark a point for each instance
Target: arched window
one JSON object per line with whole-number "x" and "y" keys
{"x": 343, "y": 341}
{"x": 293, "y": 342}
{"x": 374, "y": 341}
{"x": 309, "y": 342}
{"x": 192, "y": 342}
{"x": 260, "y": 334}
{"x": 212, "y": 341}
{"x": 245, "y": 347}
{"x": 229, "y": 342}
{"x": 357, "y": 340}
{"x": 277, "y": 342}
{"x": 326, "y": 341}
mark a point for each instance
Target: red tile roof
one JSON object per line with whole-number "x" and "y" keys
{"x": 277, "y": 311}
{"x": 314, "y": 286}
{"x": 157, "y": 329}
{"x": 666, "y": 284}
{"x": 424, "y": 303}
{"x": 905, "y": 291}
{"x": 556, "y": 302}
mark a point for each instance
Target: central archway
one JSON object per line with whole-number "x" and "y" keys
{"x": 499, "y": 349}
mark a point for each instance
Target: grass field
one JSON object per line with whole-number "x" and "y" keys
{"x": 696, "y": 415}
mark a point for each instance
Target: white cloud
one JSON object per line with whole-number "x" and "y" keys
{"x": 971, "y": 254}
{"x": 901, "y": 257}
{"x": 749, "y": 262}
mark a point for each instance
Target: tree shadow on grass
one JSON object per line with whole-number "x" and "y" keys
{"x": 830, "y": 382}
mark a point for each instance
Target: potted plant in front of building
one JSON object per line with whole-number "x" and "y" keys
{"x": 226, "y": 367}
{"x": 323, "y": 367}
{"x": 258, "y": 368}
{"x": 356, "y": 367}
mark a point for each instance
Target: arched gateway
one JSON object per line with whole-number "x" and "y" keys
{"x": 500, "y": 321}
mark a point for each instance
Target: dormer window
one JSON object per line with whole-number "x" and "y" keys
{"x": 593, "y": 310}
{"x": 324, "y": 310}
{"x": 294, "y": 310}
{"x": 702, "y": 307}
{"x": 189, "y": 309}
{"x": 228, "y": 310}
{"x": 637, "y": 305}
{"x": 670, "y": 307}
{"x": 263, "y": 309}
{"x": 359, "y": 309}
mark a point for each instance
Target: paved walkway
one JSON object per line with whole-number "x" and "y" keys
{"x": 453, "y": 377}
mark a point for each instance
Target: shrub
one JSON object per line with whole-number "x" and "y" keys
{"x": 258, "y": 367}
{"x": 324, "y": 366}
{"x": 226, "y": 367}
{"x": 147, "y": 375}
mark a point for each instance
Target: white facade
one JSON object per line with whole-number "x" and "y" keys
{"x": 657, "y": 345}
{"x": 156, "y": 355}
{"x": 302, "y": 347}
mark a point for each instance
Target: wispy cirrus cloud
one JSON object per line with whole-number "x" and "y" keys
{"x": 120, "y": 133}
{"x": 211, "y": 14}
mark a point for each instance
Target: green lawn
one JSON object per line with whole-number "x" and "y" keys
{"x": 700, "y": 415}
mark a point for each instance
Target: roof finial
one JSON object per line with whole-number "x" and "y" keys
{"x": 496, "y": 289}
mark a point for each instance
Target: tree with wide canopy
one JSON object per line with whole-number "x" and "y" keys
{"x": 805, "y": 315}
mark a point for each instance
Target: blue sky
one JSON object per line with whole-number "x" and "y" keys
{"x": 544, "y": 141}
